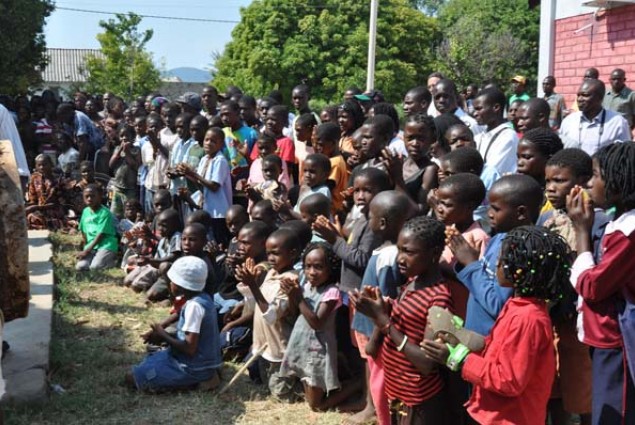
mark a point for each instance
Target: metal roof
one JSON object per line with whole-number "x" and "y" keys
{"x": 65, "y": 65}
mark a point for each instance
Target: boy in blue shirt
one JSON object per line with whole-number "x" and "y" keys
{"x": 214, "y": 178}
{"x": 514, "y": 201}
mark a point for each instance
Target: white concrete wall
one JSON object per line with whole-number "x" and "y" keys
{"x": 568, "y": 8}
{"x": 547, "y": 39}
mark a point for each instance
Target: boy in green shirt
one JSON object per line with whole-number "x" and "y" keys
{"x": 99, "y": 233}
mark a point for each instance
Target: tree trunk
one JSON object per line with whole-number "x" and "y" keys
{"x": 14, "y": 243}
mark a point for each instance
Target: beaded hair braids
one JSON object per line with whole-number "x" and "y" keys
{"x": 546, "y": 141}
{"x": 332, "y": 260}
{"x": 536, "y": 261}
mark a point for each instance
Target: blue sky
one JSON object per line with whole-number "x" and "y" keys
{"x": 177, "y": 43}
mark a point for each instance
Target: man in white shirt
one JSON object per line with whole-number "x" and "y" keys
{"x": 499, "y": 142}
{"x": 593, "y": 127}
{"x": 446, "y": 102}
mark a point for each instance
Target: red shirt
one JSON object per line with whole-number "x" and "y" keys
{"x": 409, "y": 316}
{"x": 600, "y": 286}
{"x": 286, "y": 150}
{"x": 513, "y": 375}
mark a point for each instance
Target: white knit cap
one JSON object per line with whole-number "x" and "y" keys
{"x": 189, "y": 273}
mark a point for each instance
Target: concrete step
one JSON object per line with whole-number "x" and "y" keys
{"x": 25, "y": 366}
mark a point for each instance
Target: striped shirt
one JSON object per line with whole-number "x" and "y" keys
{"x": 409, "y": 316}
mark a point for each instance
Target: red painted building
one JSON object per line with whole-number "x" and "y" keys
{"x": 578, "y": 34}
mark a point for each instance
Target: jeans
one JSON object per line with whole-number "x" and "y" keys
{"x": 97, "y": 259}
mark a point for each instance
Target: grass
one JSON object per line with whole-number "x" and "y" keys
{"x": 95, "y": 340}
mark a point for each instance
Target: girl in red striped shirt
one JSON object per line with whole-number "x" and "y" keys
{"x": 414, "y": 386}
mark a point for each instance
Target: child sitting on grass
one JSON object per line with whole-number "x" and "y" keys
{"x": 99, "y": 234}
{"x": 44, "y": 201}
{"x": 229, "y": 299}
{"x": 132, "y": 214}
{"x": 193, "y": 357}
{"x": 148, "y": 271}
{"x": 193, "y": 243}
{"x": 87, "y": 176}
{"x": 311, "y": 353}
{"x": 513, "y": 375}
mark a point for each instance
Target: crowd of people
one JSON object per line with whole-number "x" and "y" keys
{"x": 467, "y": 261}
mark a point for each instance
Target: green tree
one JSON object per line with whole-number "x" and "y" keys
{"x": 279, "y": 44}
{"x": 488, "y": 39}
{"x": 22, "y": 43}
{"x": 126, "y": 68}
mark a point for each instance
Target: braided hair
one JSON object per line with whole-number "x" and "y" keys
{"x": 427, "y": 230}
{"x": 536, "y": 261}
{"x": 333, "y": 262}
{"x": 426, "y": 120}
{"x": 617, "y": 167}
{"x": 546, "y": 141}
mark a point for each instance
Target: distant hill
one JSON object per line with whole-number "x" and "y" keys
{"x": 190, "y": 75}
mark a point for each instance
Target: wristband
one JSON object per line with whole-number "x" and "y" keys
{"x": 457, "y": 356}
{"x": 403, "y": 343}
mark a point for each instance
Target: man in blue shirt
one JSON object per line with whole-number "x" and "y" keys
{"x": 86, "y": 135}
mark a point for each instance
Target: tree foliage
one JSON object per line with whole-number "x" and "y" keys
{"x": 279, "y": 44}
{"x": 488, "y": 39}
{"x": 126, "y": 67}
{"x": 22, "y": 43}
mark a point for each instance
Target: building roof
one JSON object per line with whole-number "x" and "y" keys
{"x": 65, "y": 65}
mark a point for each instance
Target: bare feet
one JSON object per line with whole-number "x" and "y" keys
{"x": 362, "y": 417}
{"x": 353, "y": 406}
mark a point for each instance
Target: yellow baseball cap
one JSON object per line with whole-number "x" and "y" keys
{"x": 520, "y": 79}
